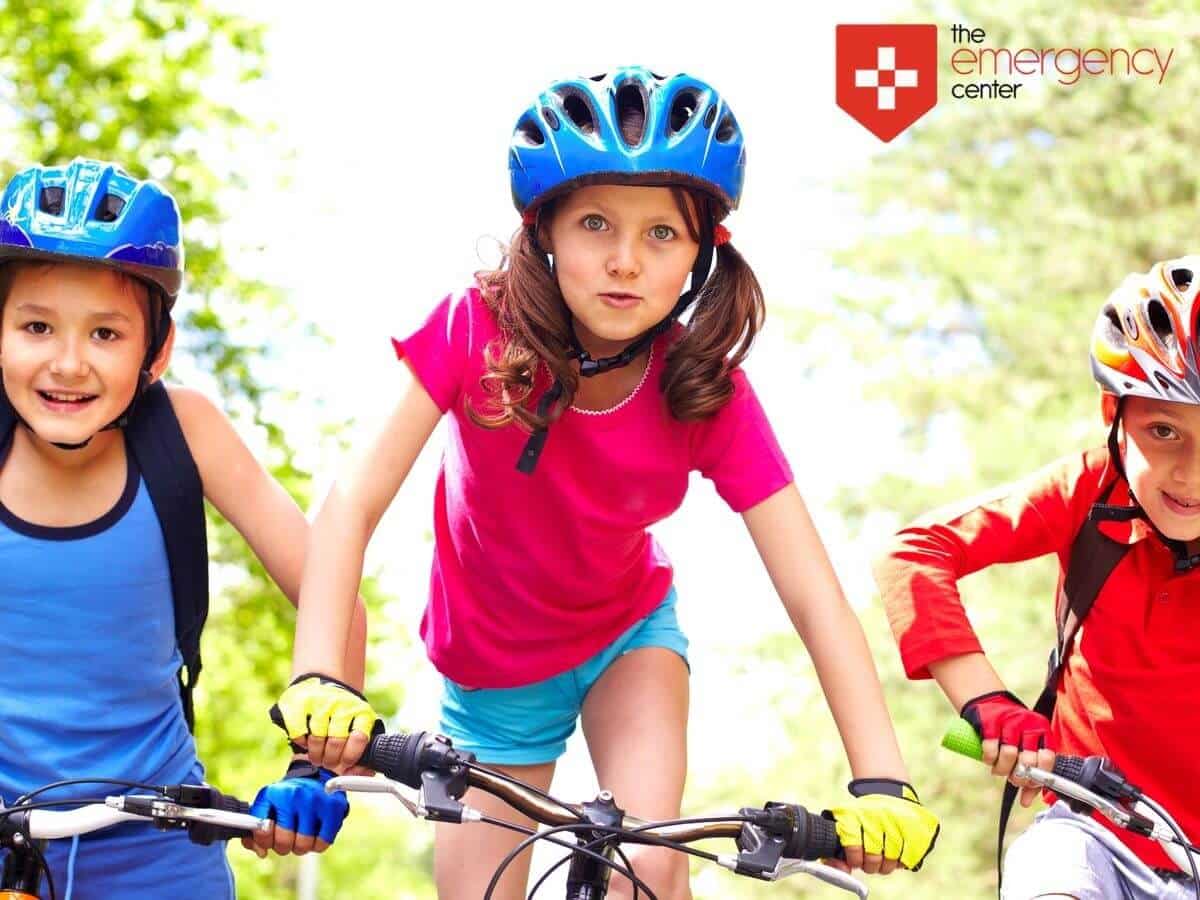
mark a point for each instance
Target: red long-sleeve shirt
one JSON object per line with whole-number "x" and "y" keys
{"x": 1130, "y": 687}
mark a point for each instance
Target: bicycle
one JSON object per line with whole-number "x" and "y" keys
{"x": 1094, "y": 782}
{"x": 774, "y": 842}
{"x": 206, "y": 814}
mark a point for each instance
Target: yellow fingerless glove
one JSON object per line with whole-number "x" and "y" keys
{"x": 887, "y": 818}
{"x": 320, "y": 706}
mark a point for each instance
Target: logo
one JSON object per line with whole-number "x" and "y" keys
{"x": 886, "y": 75}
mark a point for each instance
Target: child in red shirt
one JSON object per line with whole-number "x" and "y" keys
{"x": 1126, "y": 690}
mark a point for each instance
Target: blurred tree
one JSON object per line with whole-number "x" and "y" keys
{"x": 150, "y": 84}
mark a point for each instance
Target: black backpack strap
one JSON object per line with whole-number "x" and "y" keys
{"x": 8, "y": 419}
{"x": 1093, "y": 559}
{"x": 155, "y": 438}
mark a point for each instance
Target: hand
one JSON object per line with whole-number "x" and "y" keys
{"x": 1011, "y": 733}
{"x": 883, "y": 827}
{"x": 306, "y": 818}
{"x": 329, "y": 720}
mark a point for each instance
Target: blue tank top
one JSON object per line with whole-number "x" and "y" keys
{"x": 88, "y": 658}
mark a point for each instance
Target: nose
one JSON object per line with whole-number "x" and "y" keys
{"x": 69, "y": 360}
{"x": 624, "y": 260}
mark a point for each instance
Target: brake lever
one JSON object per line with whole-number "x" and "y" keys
{"x": 821, "y": 872}
{"x": 371, "y": 784}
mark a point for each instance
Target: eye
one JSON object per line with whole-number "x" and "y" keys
{"x": 594, "y": 222}
{"x": 105, "y": 334}
{"x": 36, "y": 327}
{"x": 1163, "y": 432}
{"x": 662, "y": 232}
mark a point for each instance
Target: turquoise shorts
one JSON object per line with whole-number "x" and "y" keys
{"x": 529, "y": 725}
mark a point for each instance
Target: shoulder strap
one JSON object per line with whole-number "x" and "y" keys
{"x": 155, "y": 438}
{"x": 1093, "y": 559}
{"x": 8, "y": 418}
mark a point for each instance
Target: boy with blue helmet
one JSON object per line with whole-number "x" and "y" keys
{"x": 550, "y": 602}
{"x": 103, "y": 576}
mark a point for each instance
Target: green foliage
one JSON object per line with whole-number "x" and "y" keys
{"x": 996, "y": 231}
{"x": 143, "y": 82}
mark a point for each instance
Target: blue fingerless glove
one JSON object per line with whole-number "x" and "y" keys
{"x": 299, "y": 803}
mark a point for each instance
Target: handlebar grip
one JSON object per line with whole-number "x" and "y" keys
{"x": 1069, "y": 767}
{"x": 961, "y": 737}
{"x": 395, "y": 756}
{"x": 815, "y": 838}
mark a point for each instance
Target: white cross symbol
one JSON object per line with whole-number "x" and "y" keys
{"x": 885, "y": 94}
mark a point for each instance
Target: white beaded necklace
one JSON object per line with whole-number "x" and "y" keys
{"x": 632, "y": 394}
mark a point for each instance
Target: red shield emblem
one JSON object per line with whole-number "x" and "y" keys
{"x": 886, "y": 75}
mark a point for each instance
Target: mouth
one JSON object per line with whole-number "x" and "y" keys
{"x": 620, "y": 298}
{"x": 1183, "y": 506}
{"x": 66, "y": 401}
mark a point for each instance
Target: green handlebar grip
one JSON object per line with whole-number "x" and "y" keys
{"x": 961, "y": 738}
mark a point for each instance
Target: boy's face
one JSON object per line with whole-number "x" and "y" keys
{"x": 72, "y": 342}
{"x": 1162, "y": 462}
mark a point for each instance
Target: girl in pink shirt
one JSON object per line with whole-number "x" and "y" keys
{"x": 577, "y": 404}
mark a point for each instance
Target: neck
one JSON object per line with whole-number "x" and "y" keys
{"x": 42, "y": 456}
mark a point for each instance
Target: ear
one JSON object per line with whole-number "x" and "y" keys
{"x": 1108, "y": 407}
{"x": 159, "y": 366}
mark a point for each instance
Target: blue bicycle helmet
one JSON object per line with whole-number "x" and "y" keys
{"x": 93, "y": 212}
{"x": 628, "y": 127}
{"x": 572, "y": 135}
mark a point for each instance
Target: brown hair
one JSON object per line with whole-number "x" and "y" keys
{"x": 532, "y": 315}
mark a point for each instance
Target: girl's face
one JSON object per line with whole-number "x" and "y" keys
{"x": 622, "y": 255}
{"x": 1162, "y": 463}
{"x": 72, "y": 341}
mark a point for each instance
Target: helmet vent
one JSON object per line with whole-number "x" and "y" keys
{"x": 1160, "y": 324}
{"x": 599, "y": 77}
{"x": 1181, "y": 278}
{"x": 657, "y": 77}
{"x": 1163, "y": 382}
{"x": 710, "y": 116}
{"x": 684, "y": 105}
{"x": 528, "y": 132}
{"x": 578, "y": 110}
{"x": 51, "y": 200}
{"x": 727, "y": 130}
{"x": 110, "y": 208}
{"x": 1112, "y": 327}
{"x": 631, "y": 112}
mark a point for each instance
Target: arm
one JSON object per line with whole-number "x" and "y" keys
{"x": 884, "y": 825}
{"x": 257, "y": 506}
{"x": 343, "y": 527}
{"x": 799, "y": 568}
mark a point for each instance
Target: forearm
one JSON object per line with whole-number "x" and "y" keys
{"x": 356, "y": 648}
{"x": 325, "y": 620}
{"x": 965, "y": 677}
{"x": 851, "y": 685}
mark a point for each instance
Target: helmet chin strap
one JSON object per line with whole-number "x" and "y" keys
{"x": 1184, "y": 561}
{"x": 158, "y": 337}
{"x": 589, "y": 366}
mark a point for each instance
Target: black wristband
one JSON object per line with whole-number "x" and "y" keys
{"x": 328, "y": 679}
{"x": 301, "y": 768}
{"x": 992, "y": 695}
{"x": 889, "y": 787}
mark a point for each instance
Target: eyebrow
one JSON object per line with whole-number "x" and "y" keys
{"x": 37, "y": 310}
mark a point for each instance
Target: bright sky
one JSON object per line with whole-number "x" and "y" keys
{"x": 399, "y": 117}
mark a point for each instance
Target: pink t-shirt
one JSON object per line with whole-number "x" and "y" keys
{"x": 533, "y": 574}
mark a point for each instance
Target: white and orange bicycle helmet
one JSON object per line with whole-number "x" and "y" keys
{"x": 1145, "y": 340}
